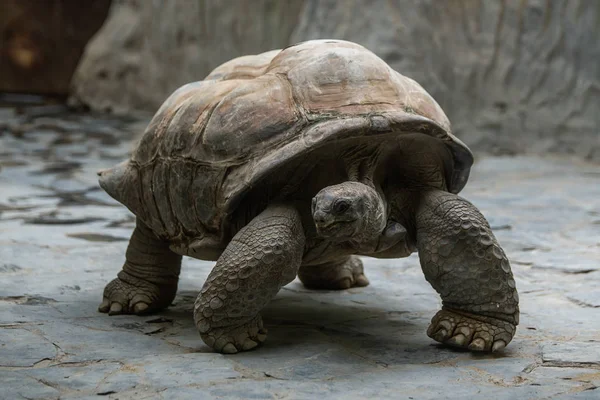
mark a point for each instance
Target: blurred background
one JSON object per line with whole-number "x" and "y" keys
{"x": 514, "y": 76}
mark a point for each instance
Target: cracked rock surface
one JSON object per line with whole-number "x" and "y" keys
{"x": 62, "y": 239}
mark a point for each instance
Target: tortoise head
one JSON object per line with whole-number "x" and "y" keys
{"x": 349, "y": 211}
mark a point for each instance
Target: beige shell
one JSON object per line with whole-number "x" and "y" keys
{"x": 253, "y": 114}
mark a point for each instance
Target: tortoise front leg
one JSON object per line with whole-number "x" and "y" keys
{"x": 148, "y": 281}
{"x": 464, "y": 263}
{"x": 260, "y": 259}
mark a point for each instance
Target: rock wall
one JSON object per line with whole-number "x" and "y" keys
{"x": 513, "y": 76}
{"x": 146, "y": 49}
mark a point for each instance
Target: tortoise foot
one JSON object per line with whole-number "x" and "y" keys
{"x": 130, "y": 295}
{"x": 469, "y": 331}
{"x": 230, "y": 340}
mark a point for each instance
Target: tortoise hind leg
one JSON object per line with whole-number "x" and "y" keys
{"x": 341, "y": 274}
{"x": 464, "y": 263}
{"x": 148, "y": 280}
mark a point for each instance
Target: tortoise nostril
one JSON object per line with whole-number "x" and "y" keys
{"x": 320, "y": 217}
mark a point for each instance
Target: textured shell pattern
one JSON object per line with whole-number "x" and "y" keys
{"x": 252, "y": 114}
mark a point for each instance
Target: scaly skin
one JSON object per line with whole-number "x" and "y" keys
{"x": 148, "y": 281}
{"x": 464, "y": 263}
{"x": 343, "y": 274}
{"x": 260, "y": 259}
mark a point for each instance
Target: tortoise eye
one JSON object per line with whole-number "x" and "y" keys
{"x": 341, "y": 206}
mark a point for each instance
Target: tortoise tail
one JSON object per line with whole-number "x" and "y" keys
{"x": 112, "y": 179}
{"x": 122, "y": 183}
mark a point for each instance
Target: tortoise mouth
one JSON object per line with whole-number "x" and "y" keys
{"x": 334, "y": 228}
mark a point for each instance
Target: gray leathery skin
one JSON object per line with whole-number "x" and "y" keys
{"x": 148, "y": 281}
{"x": 262, "y": 257}
{"x": 464, "y": 263}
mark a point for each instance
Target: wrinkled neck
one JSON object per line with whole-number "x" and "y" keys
{"x": 361, "y": 165}
{"x": 375, "y": 215}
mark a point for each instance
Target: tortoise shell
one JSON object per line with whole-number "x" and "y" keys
{"x": 212, "y": 141}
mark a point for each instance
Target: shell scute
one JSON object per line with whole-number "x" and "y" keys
{"x": 176, "y": 129}
{"x": 250, "y": 116}
{"x": 181, "y": 196}
{"x": 206, "y": 190}
{"x": 344, "y": 80}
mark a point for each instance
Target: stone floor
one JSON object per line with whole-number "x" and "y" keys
{"x": 62, "y": 239}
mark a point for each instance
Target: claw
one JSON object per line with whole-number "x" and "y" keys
{"x": 477, "y": 345}
{"x": 229, "y": 349}
{"x": 104, "y": 306}
{"x": 440, "y": 335}
{"x": 209, "y": 340}
{"x": 435, "y": 327}
{"x": 361, "y": 280}
{"x": 465, "y": 331}
{"x": 498, "y": 345}
{"x": 261, "y": 337}
{"x": 458, "y": 340}
{"x": 345, "y": 283}
{"x": 115, "y": 309}
{"x": 446, "y": 324}
{"x": 262, "y": 334}
{"x": 139, "y": 308}
{"x": 249, "y": 344}
{"x": 430, "y": 329}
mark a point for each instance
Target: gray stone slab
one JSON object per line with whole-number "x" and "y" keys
{"x": 588, "y": 297}
{"x": 579, "y": 383}
{"x": 60, "y": 243}
{"x": 179, "y": 370}
{"x": 22, "y": 348}
{"x": 76, "y": 378}
{"x": 584, "y": 394}
{"x": 83, "y": 344}
{"x": 586, "y": 353}
{"x": 17, "y": 385}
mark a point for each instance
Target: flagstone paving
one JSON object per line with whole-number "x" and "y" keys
{"x": 62, "y": 239}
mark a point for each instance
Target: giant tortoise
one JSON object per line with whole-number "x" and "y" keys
{"x": 292, "y": 163}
